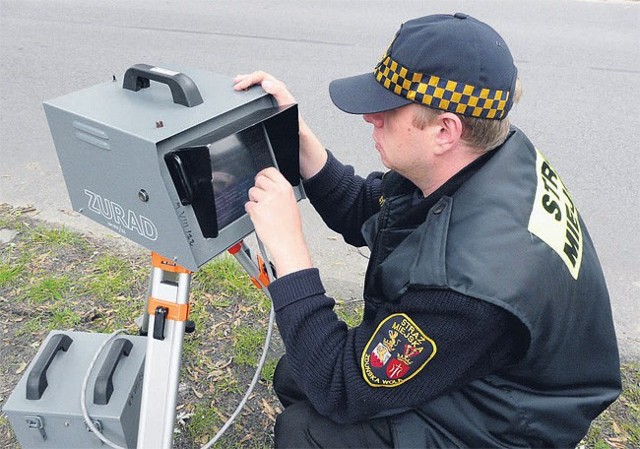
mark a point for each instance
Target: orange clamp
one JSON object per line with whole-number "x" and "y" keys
{"x": 263, "y": 277}
{"x": 158, "y": 261}
{"x": 176, "y": 312}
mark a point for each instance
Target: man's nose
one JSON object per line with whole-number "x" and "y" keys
{"x": 376, "y": 119}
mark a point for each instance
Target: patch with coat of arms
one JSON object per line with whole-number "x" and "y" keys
{"x": 397, "y": 351}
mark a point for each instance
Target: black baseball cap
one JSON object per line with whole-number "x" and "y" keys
{"x": 450, "y": 62}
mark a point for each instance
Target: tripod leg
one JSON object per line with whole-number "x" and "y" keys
{"x": 168, "y": 310}
{"x": 143, "y": 320}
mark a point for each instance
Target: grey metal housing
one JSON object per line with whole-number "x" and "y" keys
{"x": 111, "y": 142}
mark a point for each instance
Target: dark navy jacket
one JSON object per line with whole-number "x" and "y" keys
{"x": 510, "y": 236}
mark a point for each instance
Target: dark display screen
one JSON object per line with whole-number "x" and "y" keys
{"x": 235, "y": 161}
{"x": 213, "y": 174}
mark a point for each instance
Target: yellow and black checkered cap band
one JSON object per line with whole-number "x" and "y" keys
{"x": 440, "y": 93}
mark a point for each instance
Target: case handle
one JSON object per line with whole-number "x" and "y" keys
{"x": 37, "y": 380}
{"x": 183, "y": 89}
{"x": 104, "y": 382}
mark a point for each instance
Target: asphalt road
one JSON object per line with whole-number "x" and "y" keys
{"x": 578, "y": 60}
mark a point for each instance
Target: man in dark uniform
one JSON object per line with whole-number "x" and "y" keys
{"x": 487, "y": 320}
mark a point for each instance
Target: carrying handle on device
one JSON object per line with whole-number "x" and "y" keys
{"x": 183, "y": 89}
{"x": 37, "y": 380}
{"x": 104, "y": 382}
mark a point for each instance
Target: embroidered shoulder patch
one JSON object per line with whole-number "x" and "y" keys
{"x": 397, "y": 351}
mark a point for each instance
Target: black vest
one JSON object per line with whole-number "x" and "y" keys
{"x": 510, "y": 235}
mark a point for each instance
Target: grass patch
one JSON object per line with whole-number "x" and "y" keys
{"x": 248, "y": 343}
{"x": 48, "y": 289}
{"x": 618, "y": 427}
{"x": 33, "y": 326}
{"x": 57, "y": 237}
{"x": 112, "y": 277}
{"x": 203, "y": 422}
{"x": 228, "y": 385}
{"x": 268, "y": 369}
{"x": 9, "y": 272}
{"x": 64, "y": 319}
{"x": 225, "y": 276}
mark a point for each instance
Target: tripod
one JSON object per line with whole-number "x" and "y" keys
{"x": 165, "y": 322}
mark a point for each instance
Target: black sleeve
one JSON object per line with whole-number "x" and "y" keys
{"x": 473, "y": 339}
{"x": 344, "y": 200}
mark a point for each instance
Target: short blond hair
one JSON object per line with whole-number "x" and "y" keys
{"x": 481, "y": 133}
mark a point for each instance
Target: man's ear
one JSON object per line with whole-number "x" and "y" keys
{"x": 449, "y": 131}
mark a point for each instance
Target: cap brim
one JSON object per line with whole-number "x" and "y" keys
{"x": 362, "y": 94}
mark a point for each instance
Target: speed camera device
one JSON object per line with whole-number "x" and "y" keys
{"x": 166, "y": 158}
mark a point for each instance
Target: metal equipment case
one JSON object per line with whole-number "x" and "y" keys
{"x": 44, "y": 408}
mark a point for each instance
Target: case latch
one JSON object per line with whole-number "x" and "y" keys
{"x": 36, "y": 422}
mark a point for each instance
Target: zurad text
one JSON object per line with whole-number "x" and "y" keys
{"x": 119, "y": 218}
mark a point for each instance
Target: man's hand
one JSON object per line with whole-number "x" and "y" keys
{"x": 272, "y": 208}
{"x": 270, "y": 84}
{"x": 313, "y": 155}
